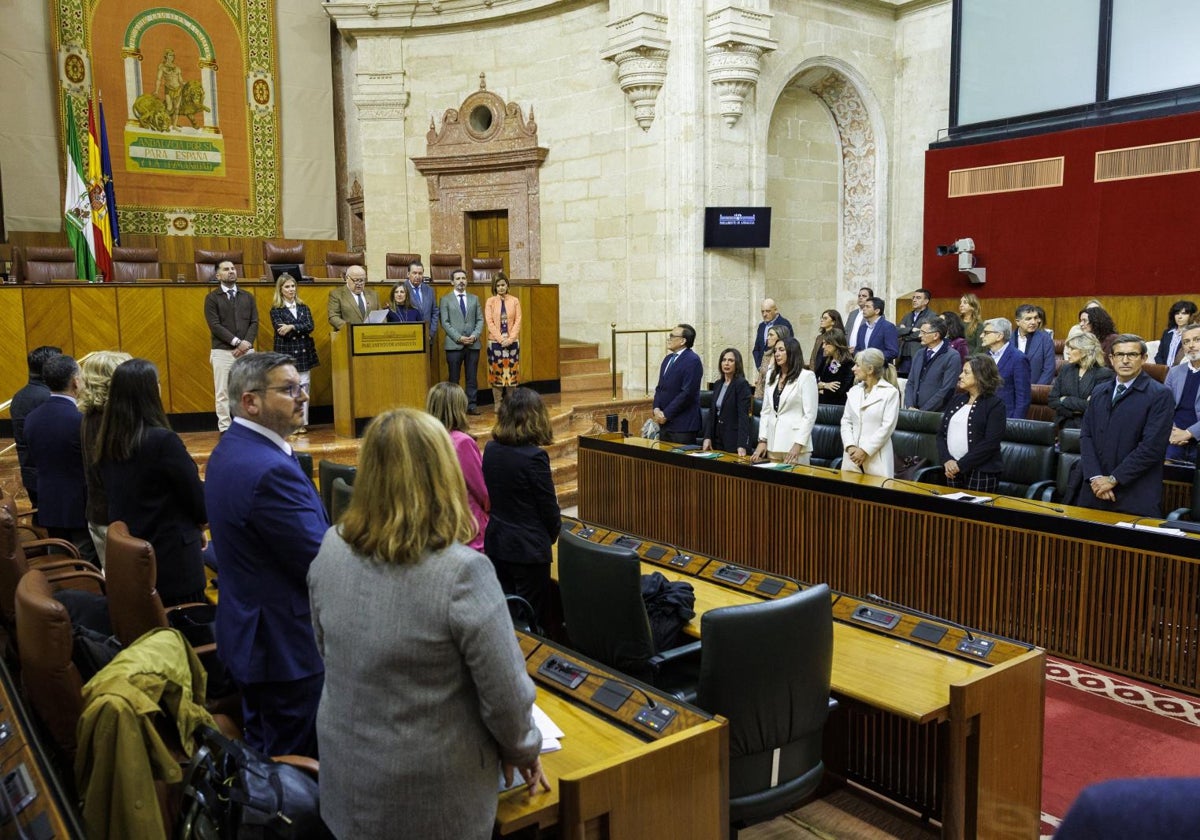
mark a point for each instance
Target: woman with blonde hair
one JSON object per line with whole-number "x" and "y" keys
{"x": 448, "y": 403}
{"x": 1074, "y": 384}
{"x": 971, "y": 314}
{"x": 502, "y": 312}
{"x": 417, "y": 641}
{"x": 97, "y": 370}
{"x": 872, "y": 410}
{"x": 293, "y": 323}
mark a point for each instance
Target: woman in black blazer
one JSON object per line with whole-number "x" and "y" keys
{"x": 1077, "y": 379}
{"x": 1170, "y": 350}
{"x": 972, "y": 428}
{"x": 524, "y": 520}
{"x": 292, "y": 321}
{"x": 834, "y": 369}
{"x": 727, "y": 426}
{"x": 152, "y": 482}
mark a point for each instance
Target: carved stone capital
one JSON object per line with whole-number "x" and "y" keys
{"x": 736, "y": 37}
{"x": 638, "y": 45}
{"x": 381, "y": 95}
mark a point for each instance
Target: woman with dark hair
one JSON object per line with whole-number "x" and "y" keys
{"x": 426, "y": 700}
{"x": 293, "y": 323}
{"x": 830, "y": 320}
{"x": 727, "y": 426}
{"x": 971, "y": 314}
{"x": 1096, "y": 321}
{"x": 789, "y": 409}
{"x": 97, "y": 370}
{"x": 448, "y": 403}
{"x": 835, "y": 370}
{"x": 972, "y": 428}
{"x": 775, "y": 334}
{"x": 1170, "y": 346}
{"x": 954, "y": 334}
{"x": 399, "y": 308}
{"x": 152, "y": 482}
{"x": 1074, "y": 384}
{"x": 525, "y": 519}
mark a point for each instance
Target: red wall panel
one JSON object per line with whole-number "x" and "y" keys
{"x": 1083, "y": 238}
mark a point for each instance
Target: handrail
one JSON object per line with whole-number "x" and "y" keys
{"x": 646, "y": 351}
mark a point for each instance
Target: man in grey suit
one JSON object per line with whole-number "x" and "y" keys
{"x": 462, "y": 320}
{"x": 350, "y": 304}
{"x": 935, "y": 369}
{"x": 422, "y": 296}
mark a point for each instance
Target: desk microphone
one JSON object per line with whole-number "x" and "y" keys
{"x": 1024, "y": 501}
{"x": 914, "y": 484}
{"x": 838, "y": 473}
{"x": 871, "y": 596}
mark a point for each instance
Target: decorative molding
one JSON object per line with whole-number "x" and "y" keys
{"x": 735, "y": 39}
{"x": 357, "y": 16}
{"x": 381, "y": 95}
{"x": 638, "y": 45}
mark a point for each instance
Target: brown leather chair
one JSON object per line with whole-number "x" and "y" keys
{"x": 1039, "y": 408}
{"x": 132, "y": 264}
{"x": 1157, "y": 372}
{"x": 50, "y": 680}
{"x": 41, "y": 264}
{"x": 441, "y": 266}
{"x": 397, "y": 265}
{"x": 206, "y": 264}
{"x": 284, "y": 253}
{"x": 336, "y": 263}
{"x": 483, "y": 270}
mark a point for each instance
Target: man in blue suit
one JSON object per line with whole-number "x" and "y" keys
{"x": 55, "y": 452}
{"x": 1012, "y": 364}
{"x": 876, "y": 331}
{"x": 422, "y": 296}
{"x": 935, "y": 369}
{"x": 770, "y": 318}
{"x": 1184, "y": 382}
{"x": 267, "y": 523}
{"x": 1123, "y": 438}
{"x": 677, "y": 395}
{"x": 1036, "y": 344}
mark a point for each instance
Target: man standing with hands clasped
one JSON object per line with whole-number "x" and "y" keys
{"x": 677, "y": 395}
{"x": 462, "y": 321}
{"x": 232, "y": 319}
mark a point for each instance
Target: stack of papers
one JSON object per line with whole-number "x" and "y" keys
{"x": 967, "y": 497}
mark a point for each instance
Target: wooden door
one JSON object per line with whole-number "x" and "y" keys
{"x": 487, "y": 237}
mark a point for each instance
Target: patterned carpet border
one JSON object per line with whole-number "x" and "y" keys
{"x": 1106, "y": 685}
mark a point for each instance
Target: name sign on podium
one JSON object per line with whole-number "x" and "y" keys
{"x": 387, "y": 339}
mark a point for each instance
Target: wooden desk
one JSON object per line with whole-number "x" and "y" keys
{"x": 615, "y": 776}
{"x": 955, "y": 736}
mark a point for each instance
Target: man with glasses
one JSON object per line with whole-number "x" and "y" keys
{"x": 267, "y": 523}
{"x": 1012, "y": 364}
{"x": 232, "y": 318}
{"x": 935, "y": 369}
{"x": 1124, "y": 434}
{"x": 422, "y": 297}
{"x": 351, "y": 303}
{"x": 677, "y": 395}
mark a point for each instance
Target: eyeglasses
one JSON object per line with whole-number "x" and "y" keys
{"x": 672, "y": 335}
{"x": 292, "y": 389}
{"x": 992, "y": 332}
{"x": 1127, "y": 356}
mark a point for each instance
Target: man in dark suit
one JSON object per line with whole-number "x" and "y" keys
{"x": 677, "y": 395}
{"x": 462, "y": 321}
{"x": 232, "y": 318}
{"x": 935, "y": 369}
{"x": 1184, "y": 382}
{"x": 770, "y": 318}
{"x": 1012, "y": 364}
{"x": 854, "y": 316}
{"x": 1036, "y": 344}
{"x": 907, "y": 329}
{"x": 876, "y": 331}
{"x": 33, "y": 394}
{"x": 349, "y": 304}
{"x": 267, "y": 523}
{"x": 422, "y": 296}
{"x": 55, "y": 451}
{"x": 1124, "y": 435}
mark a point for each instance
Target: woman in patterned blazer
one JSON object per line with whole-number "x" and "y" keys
{"x": 293, "y": 325}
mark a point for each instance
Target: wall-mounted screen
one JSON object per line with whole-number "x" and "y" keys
{"x": 737, "y": 227}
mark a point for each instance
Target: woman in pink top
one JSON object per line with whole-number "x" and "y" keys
{"x": 502, "y": 312}
{"x": 448, "y": 403}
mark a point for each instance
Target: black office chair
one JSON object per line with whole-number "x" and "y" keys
{"x": 327, "y": 471}
{"x": 306, "y": 462}
{"x": 605, "y": 617}
{"x": 765, "y": 667}
{"x": 340, "y": 498}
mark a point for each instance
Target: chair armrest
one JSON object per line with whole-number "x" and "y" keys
{"x": 41, "y": 548}
{"x": 835, "y": 464}
{"x": 673, "y": 654}
{"x": 931, "y": 475}
{"x": 309, "y": 765}
{"x": 205, "y": 650}
{"x": 1040, "y": 490}
{"x": 72, "y": 579}
{"x": 1179, "y": 513}
{"x": 50, "y": 565}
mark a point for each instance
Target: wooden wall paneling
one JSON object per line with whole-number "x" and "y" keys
{"x": 541, "y": 322}
{"x": 48, "y": 317}
{"x": 188, "y": 346}
{"x": 317, "y": 299}
{"x": 142, "y": 327}
{"x": 14, "y": 372}
{"x": 94, "y": 319}
{"x": 1133, "y": 315}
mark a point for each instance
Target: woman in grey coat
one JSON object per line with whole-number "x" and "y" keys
{"x": 426, "y": 697}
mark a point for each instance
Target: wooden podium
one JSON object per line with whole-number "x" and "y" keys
{"x": 377, "y": 367}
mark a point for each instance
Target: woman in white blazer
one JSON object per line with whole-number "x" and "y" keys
{"x": 872, "y": 409}
{"x": 789, "y": 409}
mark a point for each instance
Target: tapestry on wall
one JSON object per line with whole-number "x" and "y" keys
{"x": 190, "y": 95}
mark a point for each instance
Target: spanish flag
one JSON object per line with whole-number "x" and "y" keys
{"x": 102, "y": 231}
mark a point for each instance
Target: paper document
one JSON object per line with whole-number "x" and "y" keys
{"x": 967, "y": 497}
{"x": 549, "y": 729}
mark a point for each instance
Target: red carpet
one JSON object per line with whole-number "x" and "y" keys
{"x": 1099, "y": 726}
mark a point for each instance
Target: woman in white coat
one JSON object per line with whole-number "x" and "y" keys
{"x": 789, "y": 409}
{"x": 872, "y": 409}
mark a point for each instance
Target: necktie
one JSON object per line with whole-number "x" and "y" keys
{"x": 462, "y": 305}
{"x": 670, "y": 362}
{"x": 928, "y": 356}
{"x": 362, "y": 305}
{"x": 230, "y": 293}
{"x": 1119, "y": 392}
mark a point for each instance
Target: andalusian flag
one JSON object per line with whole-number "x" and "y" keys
{"x": 102, "y": 236}
{"x": 77, "y": 210}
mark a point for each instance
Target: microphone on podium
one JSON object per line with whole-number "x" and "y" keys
{"x": 1022, "y": 500}
{"x": 923, "y": 488}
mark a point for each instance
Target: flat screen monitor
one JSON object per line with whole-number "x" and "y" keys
{"x": 285, "y": 268}
{"x": 737, "y": 227}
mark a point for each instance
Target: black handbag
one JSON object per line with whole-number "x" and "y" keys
{"x": 234, "y": 792}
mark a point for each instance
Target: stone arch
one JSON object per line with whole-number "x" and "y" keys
{"x": 131, "y": 52}
{"x": 858, "y": 128}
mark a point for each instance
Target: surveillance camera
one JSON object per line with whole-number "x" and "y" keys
{"x": 959, "y": 246}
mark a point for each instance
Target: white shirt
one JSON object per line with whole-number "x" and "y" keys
{"x": 957, "y": 441}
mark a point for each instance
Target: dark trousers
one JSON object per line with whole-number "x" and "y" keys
{"x": 455, "y": 360}
{"x": 529, "y": 580}
{"x": 281, "y": 717}
{"x": 678, "y": 437}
